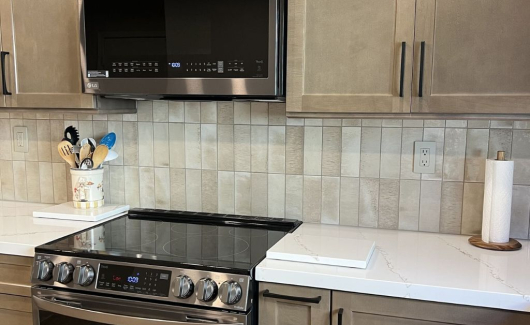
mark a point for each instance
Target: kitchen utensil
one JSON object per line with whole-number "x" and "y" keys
{"x": 99, "y": 155}
{"x": 85, "y": 151}
{"x": 109, "y": 140}
{"x": 93, "y": 144}
{"x": 66, "y": 150}
{"x": 111, "y": 155}
{"x": 87, "y": 163}
{"x": 71, "y": 135}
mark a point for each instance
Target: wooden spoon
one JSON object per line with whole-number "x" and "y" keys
{"x": 66, "y": 150}
{"x": 99, "y": 155}
{"x": 85, "y": 151}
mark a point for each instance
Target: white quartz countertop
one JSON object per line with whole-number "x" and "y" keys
{"x": 415, "y": 265}
{"x": 20, "y": 233}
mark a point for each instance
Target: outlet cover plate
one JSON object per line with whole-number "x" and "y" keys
{"x": 20, "y": 139}
{"x": 424, "y": 157}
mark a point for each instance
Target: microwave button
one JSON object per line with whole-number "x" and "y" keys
{"x": 156, "y": 70}
{"x": 156, "y": 64}
{"x": 132, "y": 70}
{"x": 113, "y": 70}
{"x": 119, "y": 64}
{"x": 126, "y": 64}
{"x": 150, "y": 64}
{"x": 113, "y": 64}
{"x": 214, "y": 70}
{"x": 229, "y": 70}
{"x": 209, "y": 70}
{"x": 126, "y": 70}
{"x": 120, "y": 70}
{"x": 242, "y": 70}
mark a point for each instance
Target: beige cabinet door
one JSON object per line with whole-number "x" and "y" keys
{"x": 476, "y": 57}
{"x": 43, "y": 66}
{"x": 345, "y": 56}
{"x": 289, "y": 305}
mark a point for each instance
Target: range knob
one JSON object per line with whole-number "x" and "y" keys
{"x": 86, "y": 275}
{"x": 206, "y": 290}
{"x": 65, "y": 272}
{"x": 230, "y": 292}
{"x": 183, "y": 287}
{"x": 45, "y": 270}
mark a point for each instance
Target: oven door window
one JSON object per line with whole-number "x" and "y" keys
{"x": 178, "y": 38}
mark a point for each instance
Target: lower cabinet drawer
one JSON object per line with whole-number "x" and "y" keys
{"x": 15, "y": 310}
{"x": 16, "y": 275}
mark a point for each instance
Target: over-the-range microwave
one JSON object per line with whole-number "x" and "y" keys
{"x": 184, "y": 49}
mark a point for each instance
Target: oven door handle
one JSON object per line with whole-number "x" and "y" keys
{"x": 65, "y": 308}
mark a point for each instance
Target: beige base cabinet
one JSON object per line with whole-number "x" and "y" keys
{"x": 289, "y": 305}
{"x": 15, "y": 290}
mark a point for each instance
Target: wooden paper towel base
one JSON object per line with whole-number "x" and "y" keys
{"x": 512, "y": 245}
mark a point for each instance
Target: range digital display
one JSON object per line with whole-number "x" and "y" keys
{"x": 132, "y": 279}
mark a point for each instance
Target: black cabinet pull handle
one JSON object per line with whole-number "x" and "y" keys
{"x": 4, "y": 83}
{"x": 422, "y": 63}
{"x": 341, "y": 311}
{"x": 315, "y": 300}
{"x": 402, "y": 75}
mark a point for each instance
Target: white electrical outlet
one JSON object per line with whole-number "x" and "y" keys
{"x": 20, "y": 139}
{"x": 424, "y": 157}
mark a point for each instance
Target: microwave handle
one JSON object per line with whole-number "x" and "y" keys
{"x": 66, "y": 308}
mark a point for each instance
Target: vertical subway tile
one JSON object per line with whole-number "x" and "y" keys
{"x": 451, "y": 210}
{"x": 388, "y": 204}
{"x": 7, "y": 180}
{"x": 130, "y": 117}
{"x": 69, "y": 191}
{"x": 46, "y": 182}
{"x": 242, "y": 147}
{"x": 454, "y": 154}
{"x": 117, "y": 184}
{"x": 56, "y": 135}
{"x": 434, "y": 123}
{"x": 277, "y": 114}
{"x": 369, "y": 202}
{"x": 312, "y": 205}
{"x": 100, "y": 129}
{"x": 501, "y": 124}
{"x": 243, "y": 193}
{"x": 193, "y": 190}
{"x": 523, "y": 125}
{"x": 349, "y": 201}
{"x": 294, "y": 193}
{"x": 117, "y": 128}
{"x": 456, "y": 124}
{"x": 409, "y": 205}
{"x": 410, "y": 135}
{"x": 521, "y": 156}
{"x": 392, "y": 123}
{"x": 86, "y": 129}
{"x": 147, "y": 187}
{"x": 294, "y": 150}
{"x": 132, "y": 186}
{"x": 259, "y": 113}
{"x": 177, "y": 178}
{"x": 192, "y": 112}
{"x": 295, "y": 121}
{"x": 177, "y": 147}
{"x": 313, "y": 122}
{"x": 176, "y": 112}
{"x": 258, "y": 148}
{"x": 19, "y": 173}
{"x": 472, "y": 210}
{"x": 500, "y": 140}
{"x": 209, "y": 112}
{"x": 209, "y": 146}
{"x": 45, "y": 145}
{"x": 160, "y": 111}
{"x": 276, "y": 196}
{"x": 370, "y": 152}
{"x": 312, "y": 151}
{"x": 476, "y": 154}
{"x": 32, "y": 155}
{"x": 351, "y": 151}
{"x": 372, "y": 122}
{"x": 209, "y": 191}
{"x": 226, "y": 194}
{"x": 225, "y": 113}
{"x": 145, "y": 144}
{"x": 520, "y": 212}
{"x": 59, "y": 183}
{"x": 390, "y": 153}
{"x": 95, "y": 117}
{"x": 351, "y": 122}
{"x": 332, "y": 122}
{"x": 33, "y": 181}
{"x": 241, "y": 113}
{"x": 412, "y": 123}
{"x": 478, "y": 124}
{"x": 162, "y": 188}
{"x": 331, "y": 151}
{"x": 226, "y": 147}
{"x": 19, "y": 155}
{"x": 193, "y": 146}
{"x": 6, "y": 140}
{"x": 436, "y": 135}
{"x": 330, "y": 200}
{"x": 130, "y": 144}
{"x": 430, "y": 204}
{"x": 259, "y": 189}
{"x": 276, "y": 155}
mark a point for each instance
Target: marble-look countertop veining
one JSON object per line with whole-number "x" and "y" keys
{"x": 416, "y": 265}
{"x": 20, "y": 233}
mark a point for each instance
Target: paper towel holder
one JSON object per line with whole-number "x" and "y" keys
{"x": 512, "y": 245}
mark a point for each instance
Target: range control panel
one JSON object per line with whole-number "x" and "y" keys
{"x": 152, "y": 282}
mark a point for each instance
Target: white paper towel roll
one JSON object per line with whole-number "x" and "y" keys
{"x": 497, "y": 201}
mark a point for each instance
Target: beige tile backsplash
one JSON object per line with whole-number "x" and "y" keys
{"x": 248, "y": 158}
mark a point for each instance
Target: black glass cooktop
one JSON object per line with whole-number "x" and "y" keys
{"x": 229, "y": 243}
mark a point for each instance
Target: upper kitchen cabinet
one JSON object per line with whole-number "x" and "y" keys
{"x": 350, "y": 56}
{"x": 475, "y": 57}
{"x": 41, "y": 58}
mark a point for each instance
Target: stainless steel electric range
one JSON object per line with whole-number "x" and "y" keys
{"x": 155, "y": 267}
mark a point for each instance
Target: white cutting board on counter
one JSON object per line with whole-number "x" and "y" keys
{"x": 324, "y": 250}
{"x": 67, "y": 211}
